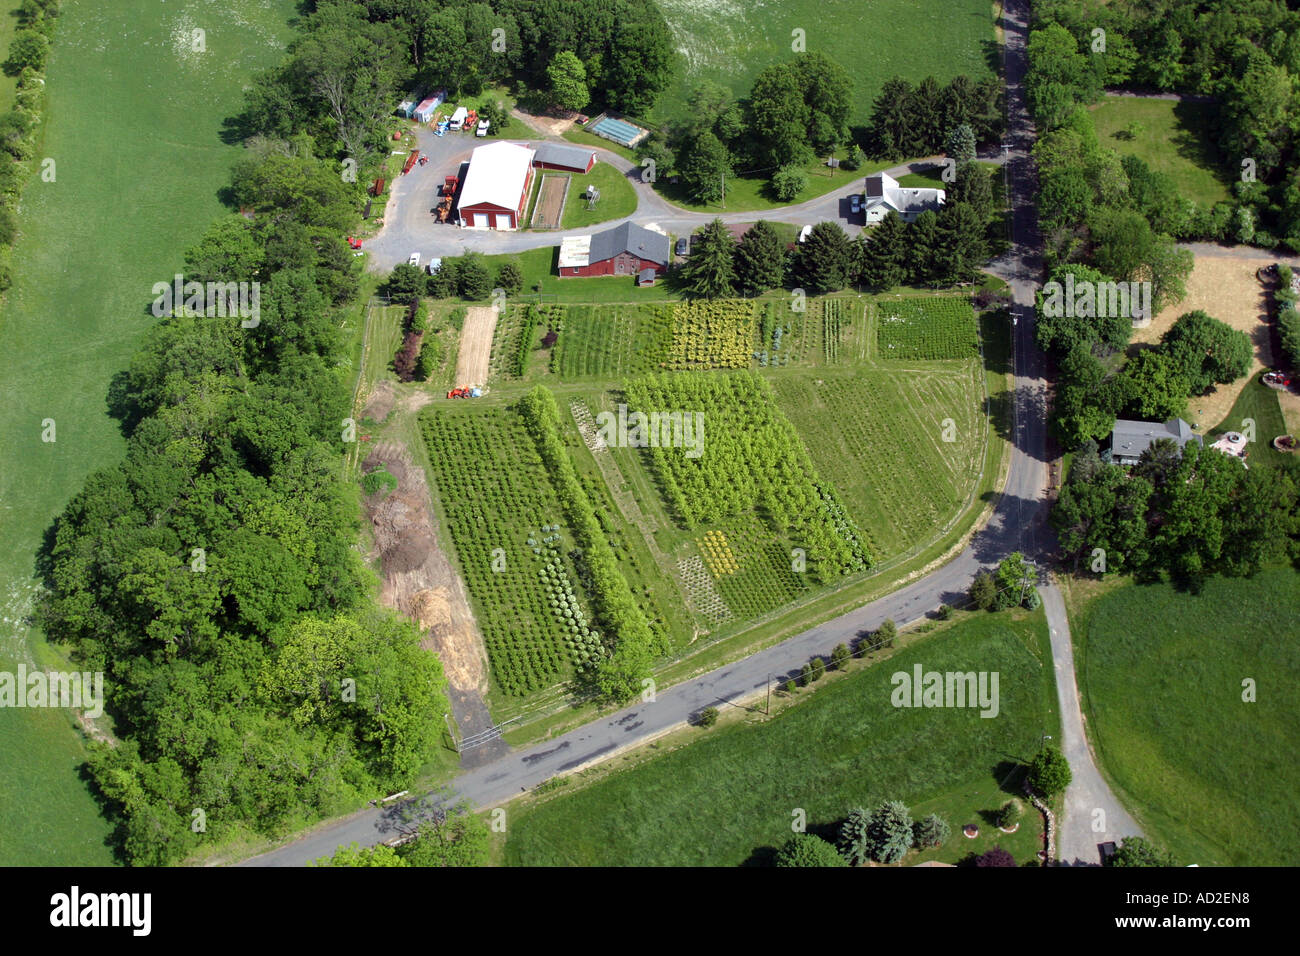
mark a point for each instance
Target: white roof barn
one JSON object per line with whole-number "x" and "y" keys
{"x": 884, "y": 196}
{"x": 496, "y": 186}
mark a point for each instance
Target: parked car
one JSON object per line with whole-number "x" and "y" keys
{"x": 414, "y": 260}
{"x": 855, "y": 203}
{"x": 682, "y": 246}
{"x": 482, "y": 128}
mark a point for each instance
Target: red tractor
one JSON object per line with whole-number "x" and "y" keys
{"x": 461, "y": 392}
{"x": 354, "y": 242}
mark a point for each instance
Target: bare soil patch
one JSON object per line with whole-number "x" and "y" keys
{"x": 379, "y": 402}
{"x": 476, "y": 345}
{"x": 550, "y": 202}
{"x": 555, "y": 123}
{"x": 1226, "y": 288}
{"x": 417, "y": 578}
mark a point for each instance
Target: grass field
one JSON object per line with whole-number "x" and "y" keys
{"x": 1174, "y": 138}
{"x": 730, "y": 42}
{"x": 727, "y": 798}
{"x": 878, "y": 436}
{"x": 93, "y": 244}
{"x": 1208, "y": 775}
{"x": 538, "y": 268}
{"x": 617, "y": 197}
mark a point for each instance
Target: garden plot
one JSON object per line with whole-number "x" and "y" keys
{"x": 926, "y": 329}
{"x": 550, "y": 202}
{"x": 715, "y": 334}
{"x": 476, "y": 345}
{"x": 605, "y": 340}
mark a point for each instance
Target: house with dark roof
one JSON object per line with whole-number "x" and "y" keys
{"x": 1129, "y": 439}
{"x": 574, "y": 159}
{"x": 884, "y": 196}
{"x": 626, "y": 250}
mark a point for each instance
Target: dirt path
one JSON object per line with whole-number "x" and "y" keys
{"x": 419, "y": 581}
{"x": 476, "y": 345}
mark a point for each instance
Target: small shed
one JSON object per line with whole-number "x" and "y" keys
{"x": 428, "y": 106}
{"x": 576, "y": 159}
{"x": 646, "y": 277}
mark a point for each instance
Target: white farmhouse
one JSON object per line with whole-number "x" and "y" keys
{"x": 884, "y": 196}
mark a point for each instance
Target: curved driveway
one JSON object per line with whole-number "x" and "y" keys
{"x": 1018, "y": 523}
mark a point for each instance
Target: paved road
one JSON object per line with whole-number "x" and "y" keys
{"x": 1018, "y": 523}
{"x": 410, "y": 227}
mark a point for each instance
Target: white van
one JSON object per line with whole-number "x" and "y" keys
{"x": 414, "y": 260}
{"x": 458, "y": 118}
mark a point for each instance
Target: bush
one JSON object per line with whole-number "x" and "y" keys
{"x": 1033, "y": 600}
{"x": 707, "y": 717}
{"x": 805, "y": 849}
{"x": 1138, "y": 851}
{"x": 840, "y": 656}
{"x": 931, "y": 831}
{"x": 787, "y": 183}
{"x": 1010, "y": 813}
{"x": 995, "y": 857}
{"x": 457, "y": 318}
{"x": 854, "y": 159}
{"x": 1049, "y": 774}
{"x": 430, "y": 358}
{"x": 806, "y": 675}
{"x": 818, "y": 668}
{"x": 945, "y": 612}
{"x": 790, "y": 686}
{"x": 378, "y": 482}
{"x": 886, "y": 633}
{"x": 984, "y": 591}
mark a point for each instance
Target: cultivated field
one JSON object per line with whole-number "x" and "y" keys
{"x": 94, "y": 242}
{"x": 476, "y": 345}
{"x": 926, "y": 329}
{"x": 727, "y": 798}
{"x": 1208, "y": 774}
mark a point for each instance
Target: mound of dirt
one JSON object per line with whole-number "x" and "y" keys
{"x": 431, "y": 609}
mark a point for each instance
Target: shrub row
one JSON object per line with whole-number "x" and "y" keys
{"x": 1288, "y": 319}
{"x": 636, "y": 644}
{"x": 20, "y": 126}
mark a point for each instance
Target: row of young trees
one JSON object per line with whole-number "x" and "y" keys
{"x": 19, "y": 126}
{"x": 212, "y": 575}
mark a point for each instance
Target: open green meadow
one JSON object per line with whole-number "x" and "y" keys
{"x": 727, "y": 799}
{"x": 1171, "y": 137}
{"x": 93, "y": 244}
{"x": 1163, "y": 675}
{"x": 730, "y": 42}
{"x": 1258, "y": 403}
{"x": 617, "y": 197}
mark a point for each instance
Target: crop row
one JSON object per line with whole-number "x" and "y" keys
{"x": 712, "y": 334}
{"x": 927, "y": 329}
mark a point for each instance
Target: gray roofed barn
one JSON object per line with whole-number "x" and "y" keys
{"x": 642, "y": 243}
{"x": 1129, "y": 439}
{"x": 558, "y": 156}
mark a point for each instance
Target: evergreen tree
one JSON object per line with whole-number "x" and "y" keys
{"x": 855, "y": 838}
{"x": 760, "y": 259}
{"x": 889, "y": 832}
{"x": 825, "y": 259}
{"x": 710, "y": 272}
{"x": 884, "y": 254}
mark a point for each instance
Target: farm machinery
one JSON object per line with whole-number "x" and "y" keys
{"x": 465, "y": 391}
{"x": 354, "y": 242}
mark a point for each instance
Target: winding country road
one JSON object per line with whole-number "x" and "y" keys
{"x": 1018, "y": 523}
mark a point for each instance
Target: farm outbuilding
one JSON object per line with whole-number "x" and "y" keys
{"x": 622, "y": 251}
{"x": 428, "y": 106}
{"x": 574, "y": 159}
{"x": 496, "y": 187}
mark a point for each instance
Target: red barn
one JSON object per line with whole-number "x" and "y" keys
{"x": 625, "y": 250}
{"x": 495, "y": 189}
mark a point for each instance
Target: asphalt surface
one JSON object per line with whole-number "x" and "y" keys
{"x": 1018, "y": 523}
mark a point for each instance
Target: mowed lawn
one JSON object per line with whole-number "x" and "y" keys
{"x": 731, "y": 41}
{"x": 139, "y": 162}
{"x": 1210, "y": 776}
{"x": 728, "y": 798}
{"x": 1173, "y": 138}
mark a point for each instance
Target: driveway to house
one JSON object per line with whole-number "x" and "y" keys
{"x": 1018, "y": 523}
{"x": 409, "y": 225}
